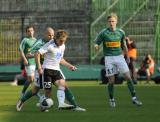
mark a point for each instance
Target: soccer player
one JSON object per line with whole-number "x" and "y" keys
{"x": 113, "y": 45}
{"x": 29, "y": 63}
{"x": 53, "y": 52}
{"x": 37, "y": 85}
{"x": 48, "y": 37}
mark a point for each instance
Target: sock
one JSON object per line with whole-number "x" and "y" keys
{"x": 61, "y": 94}
{"x": 110, "y": 90}
{"x": 38, "y": 95}
{"x": 131, "y": 88}
{"x": 27, "y": 95}
{"x": 134, "y": 98}
{"x": 26, "y": 85}
{"x": 69, "y": 97}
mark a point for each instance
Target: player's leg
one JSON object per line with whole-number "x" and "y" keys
{"x": 132, "y": 89}
{"x": 111, "y": 80}
{"x": 110, "y": 72}
{"x": 61, "y": 94}
{"x": 133, "y": 70}
{"x": 38, "y": 83}
{"x": 69, "y": 95}
{"x": 30, "y": 77}
{"x": 148, "y": 75}
{"x": 71, "y": 99}
{"x": 123, "y": 67}
{"x": 34, "y": 91}
{"x": 26, "y": 96}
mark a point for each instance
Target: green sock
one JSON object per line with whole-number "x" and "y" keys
{"x": 27, "y": 95}
{"x": 131, "y": 88}
{"x": 110, "y": 90}
{"x": 26, "y": 85}
{"x": 69, "y": 97}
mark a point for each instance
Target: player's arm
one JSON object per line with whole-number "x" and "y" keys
{"x": 37, "y": 59}
{"x": 67, "y": 64}
{"x": 36, "y": 46}
{"x": 125, "y": 50}
{"x": 98, "y": 40}
{"x": 41, "y": 51}
{"x": 32, "y": 52}
{"x": 21, "y": 48}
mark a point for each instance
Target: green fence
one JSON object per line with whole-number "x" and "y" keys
{"x": 136, "y": 18}
{"x": 140, "y": 20}
{"x": 71, "y": 15}
{"x": 157, "y": 37}
{"x": 10, "y": 34}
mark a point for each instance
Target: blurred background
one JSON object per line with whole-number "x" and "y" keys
{"x": 83, "y": 19}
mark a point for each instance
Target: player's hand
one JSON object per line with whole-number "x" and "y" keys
{"x": 73, "y": 68}
{"x": 96, "y": 46}
{"x": 30, "y": 55}
{"x": 25, "y": 62}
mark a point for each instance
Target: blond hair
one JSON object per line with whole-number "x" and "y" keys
{"x": 61, "y": 34}
{"x": 112, "y": 15}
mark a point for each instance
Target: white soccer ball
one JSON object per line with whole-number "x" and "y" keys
{"x": 47, "y": 103}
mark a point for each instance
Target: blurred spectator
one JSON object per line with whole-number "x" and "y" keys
{"x": 20, "y": 77}
{"x": 132, "y": 54}
{"x": 147, "y": 67}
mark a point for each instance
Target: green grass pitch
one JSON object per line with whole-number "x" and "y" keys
{"x": 90, "y": 95}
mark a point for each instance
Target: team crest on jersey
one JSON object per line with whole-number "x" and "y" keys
{"x": 58, "y": 56}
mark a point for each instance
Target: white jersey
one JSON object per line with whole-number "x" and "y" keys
{"x": 52, "y": 55}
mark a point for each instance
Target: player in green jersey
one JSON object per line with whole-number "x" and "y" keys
{"x": 113, "y": 45}
{"x": 29, "y": 63}
{"x": 48, "y": 36}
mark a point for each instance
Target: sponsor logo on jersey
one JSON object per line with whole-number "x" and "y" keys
{"x": 113, "y": 44}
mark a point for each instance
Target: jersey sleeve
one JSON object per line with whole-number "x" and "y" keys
{"x": 123, "y": 42}
{"x": 99, "y": 38}
{"x": 44, "y": 49}
{"x": 36, "y": 46}
{"x": 22, "y": 45}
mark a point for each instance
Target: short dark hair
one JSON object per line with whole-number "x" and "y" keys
{"x": 30, "y": 26}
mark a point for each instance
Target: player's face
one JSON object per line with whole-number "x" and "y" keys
{"x": 112, "y": 22}
{"x": 61, "y": 41}
{"x": 30, "y": 32}
{"x": 49, "y": 35}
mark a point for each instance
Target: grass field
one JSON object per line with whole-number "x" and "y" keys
{"x": 90, "y": 95}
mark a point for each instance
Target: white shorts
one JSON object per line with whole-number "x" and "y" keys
{"x": 38, "y": 80}
{"x": 30, "y": 70}
{"x": 115, "y": 64}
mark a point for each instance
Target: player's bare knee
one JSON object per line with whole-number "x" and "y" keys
{"x": 61, "y": 83}
{"x": 111, "y": 79}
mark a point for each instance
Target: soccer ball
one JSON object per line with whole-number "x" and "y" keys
{"x": 46, "y": 103}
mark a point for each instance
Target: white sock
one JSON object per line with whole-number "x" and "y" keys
{"x": 61, "y": 94}
{"x": 38, "y": 95}
{"x": 133, "y": 98}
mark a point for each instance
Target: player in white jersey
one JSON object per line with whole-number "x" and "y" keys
{"x": 53, "y": 56}
{"x": 68, "y": 94}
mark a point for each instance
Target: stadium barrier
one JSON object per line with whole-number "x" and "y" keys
{"x": 83, "y": 72}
